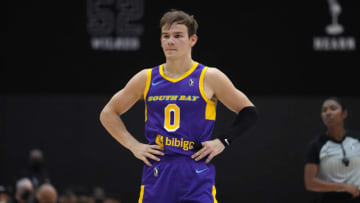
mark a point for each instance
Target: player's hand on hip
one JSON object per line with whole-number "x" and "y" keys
{"x": 145, "y": 151}
{"x": 211, "y": 148}
{"x": 356, "y": 192}
{"x": 353, "y": 190}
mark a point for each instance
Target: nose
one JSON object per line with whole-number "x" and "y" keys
{"x": 327, "y": 113}
{"x": 170, "y": 41}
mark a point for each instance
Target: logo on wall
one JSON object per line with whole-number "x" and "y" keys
{"x": 335, "y": 41}
{"x": 115, "y": 24}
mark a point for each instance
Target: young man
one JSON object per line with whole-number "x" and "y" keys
{"x": 180, "y": 107}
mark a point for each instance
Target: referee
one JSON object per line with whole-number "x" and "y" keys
{"x": 332, "y": 163}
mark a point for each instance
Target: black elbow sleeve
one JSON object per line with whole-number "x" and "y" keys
{"x": 245, "y": 120}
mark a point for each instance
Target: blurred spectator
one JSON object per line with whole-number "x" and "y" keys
{"x": 99, "y": 195}
{"x": 85, "y": 198}
{"x": 24, "y": 191}
{"x": 68, "y": 197}
{"x": 83, "y": 195}
{"x": 46, "y": 193}
{"x": 36, "y": 170}
{"x": 112, "y": 198}
{"x": 4, "y": 194}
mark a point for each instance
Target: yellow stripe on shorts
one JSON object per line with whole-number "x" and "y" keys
{"x": 214, "y": 194}
{"x": 141, "y": 194}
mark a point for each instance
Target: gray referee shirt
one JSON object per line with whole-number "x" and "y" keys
{"x": 329, "y": 154}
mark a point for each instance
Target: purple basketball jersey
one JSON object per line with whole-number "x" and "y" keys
{"x": 178, "y": 113}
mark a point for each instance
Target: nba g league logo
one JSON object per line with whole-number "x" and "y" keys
{"x": 115, "y": 24}
{"x": 335, "y": 41}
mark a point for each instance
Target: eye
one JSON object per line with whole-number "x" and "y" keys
{"x": 333, "y": 108}
{"x": 324, "y": 110}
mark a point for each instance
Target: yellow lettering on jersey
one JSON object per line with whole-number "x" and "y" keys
{"x": 182, "y": 98}
{"x": 190, "y": 144}
{"x": 167, "y": 142}
{"x": 191, "y": 98}
{"x": 177, "y": 143}
{"x": 176, "y": 117}
{"x": 194, "y": 98}
{"x": 174, "y": 98}
{"x": 159, "y": 140}
{"x": 174, "y": 142}
{"x": 186, "y": 145}
{"x": 168, "y": 98}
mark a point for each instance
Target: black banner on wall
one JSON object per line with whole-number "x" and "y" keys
{"x": 338, "y": 34}
{"x": 115, "y": 24}
{"x": 266, "y": 48}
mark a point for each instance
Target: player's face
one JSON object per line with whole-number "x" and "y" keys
{"x": 332, "y": 113}
{"x": 175, "y": 41}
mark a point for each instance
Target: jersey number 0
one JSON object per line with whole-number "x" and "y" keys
{"x": 172, "y": 117}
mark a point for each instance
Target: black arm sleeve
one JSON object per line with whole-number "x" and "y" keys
{"x": 245, "y": 120}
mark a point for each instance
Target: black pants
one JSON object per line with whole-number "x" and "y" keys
{"x": 339, "y": 197}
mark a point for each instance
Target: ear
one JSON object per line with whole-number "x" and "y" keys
{"x": 193, "y": 39}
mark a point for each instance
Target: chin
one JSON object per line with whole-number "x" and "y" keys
{"x": 171, "y": 57}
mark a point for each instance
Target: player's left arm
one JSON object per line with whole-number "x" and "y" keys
{"x": 217, "y": 86}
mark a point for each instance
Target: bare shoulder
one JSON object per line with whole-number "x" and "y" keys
{"x": 136, "y": 85}
{"x": 139, "y": 78}
{"x": 128, "y": 95}
{"x": 142, "y": 74}
{"x": 215, "y": 76}
{"x": 213, "y": 72}
{"x": 220, "y": 87}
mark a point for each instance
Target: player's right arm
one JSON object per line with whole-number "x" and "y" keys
{"x": 313, "y": 183}
{"x": 119, "y": 104}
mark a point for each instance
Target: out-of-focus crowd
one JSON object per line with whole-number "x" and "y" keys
{"x": 33, "y": 185}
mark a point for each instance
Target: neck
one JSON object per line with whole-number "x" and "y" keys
{"x": 176, "y": 68}
{"x": 337, "y": 132}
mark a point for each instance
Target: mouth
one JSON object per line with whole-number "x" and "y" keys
{"x": 328, "y": 119}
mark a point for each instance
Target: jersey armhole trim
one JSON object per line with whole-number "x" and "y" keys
{"x": 147, "y": 87}
{"x": 210, "y": 109}
{"x": 201, "y": 86}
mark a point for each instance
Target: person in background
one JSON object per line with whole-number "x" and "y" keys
{"x": 332, "y": 163}
{"x": 98, "y": 194}
{"x": 4, "y": 194}
{"x": 68, "y": 196}
{"x": 24, "y": 191}
{"x": 36, "y": 170}
{"x": 46, "y": 193}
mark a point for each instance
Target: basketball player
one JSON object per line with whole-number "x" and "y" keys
{"x": 180, "y": 108}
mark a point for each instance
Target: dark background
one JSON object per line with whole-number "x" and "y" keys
{"x": 53, "y": 86}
